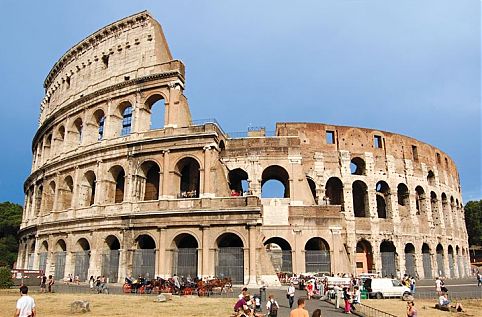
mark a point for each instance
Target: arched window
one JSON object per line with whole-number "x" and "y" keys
{"x": 403, "y": 198}
{"x": 431, "y": 178}
{"x": 364, "y": 257}
{"x": 126, "y": 120}
{"x": 275, "y": 182}
{"x": 50, "y": 196}
{"x": 389, "y": 256}
{"x": 357, "y": 166}
{"x": 77, "y": 130}
{"x": 312, "y": 185}
{"x": 47, "y": 146}
{"x": 238, "y": 182}
{"x": 98, "y": 121}
{"x": 156, "y": 106}
{"x": 38, "y": 199}
{"x": 383, "y": 199}
{"x": 334, "y": 191}
{"x": 151, "y": 173}
{"x": 115, "y": 192}
{"x": 189, "y": 177}
{"x": 420, "y": 200}
{"x": 434, "y": 208}
{"x": 66, "y": 193}
{"x": 87, "y": 193}
{"x": 360, "y": 199}
{"x": 144, "y": 261}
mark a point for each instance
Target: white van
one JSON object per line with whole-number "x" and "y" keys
{"x": 385, "y": 287}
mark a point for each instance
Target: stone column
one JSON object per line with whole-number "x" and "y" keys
{"x": 252, "y": 231}
{"x": 207, "y": 188}
{"x": 165, "y": 176}
{"x": 161, "y": 263}
{"x": 205, "y": 251}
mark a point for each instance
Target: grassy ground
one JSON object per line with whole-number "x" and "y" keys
{"x": 57, "y": 305}
{"x": 425, "y": 308}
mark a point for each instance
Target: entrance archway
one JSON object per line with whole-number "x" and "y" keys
{"x": 44, "y": 251}
{"x": 388, "y": 255}
{"x": 427, "y": 261}
{"x": 60, "y": 255}
{"x": 185, "y": 255}
{"x": 144, "y": 257}
{"x": 410, "y": 266}
{"x": 317, "y": 256}
{"x": 451, "y": 261}
{"x": 277, "y": 178}
{"x": 364, "y": 257}
{"x": 82, "y": 259}
{"x": 110, "y": 259}
{"x": 230, "y": 262}
{"x": 279, "y": 251}
{"x": 440, "y": 260}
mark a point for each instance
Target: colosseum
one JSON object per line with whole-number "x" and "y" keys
{"x": 112, "y": 193}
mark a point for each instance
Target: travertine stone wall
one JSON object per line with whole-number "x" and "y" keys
{"x": 103, "y": 180}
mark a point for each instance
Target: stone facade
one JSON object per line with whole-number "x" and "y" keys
{"x": 111, "y": 194}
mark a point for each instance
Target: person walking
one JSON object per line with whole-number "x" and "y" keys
{"x": 300, "y": 311}
{"x": 51, "y": 283}
{"x": 347, "y": 298}
{"x": 25, "y": 304}
{"x": 43, "y": 283}
{"x": 272, "y": 306}
{"x": 479, "y": 279}
{"x": 338, "y": 294}
{"x": 291, "y": 294}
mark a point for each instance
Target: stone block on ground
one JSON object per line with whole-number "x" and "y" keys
{"x": 79, "y": 306}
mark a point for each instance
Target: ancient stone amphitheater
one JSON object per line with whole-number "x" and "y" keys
{"x": 111, "y": 192}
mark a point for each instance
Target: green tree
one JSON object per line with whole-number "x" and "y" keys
{"x": 473, "y": 221}
{"x": 10, "y": 218}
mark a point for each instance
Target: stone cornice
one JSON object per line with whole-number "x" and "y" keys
{"x": 93, "y": 39}
{"x": 46, "y": 124}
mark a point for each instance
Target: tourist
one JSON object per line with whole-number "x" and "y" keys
{"x": 272, "y": 306}
{"x": 291, "y": 294}
{"x": 347, "y": 299}
{"x": 25, "y": 304}
{"x": 316, "y": 313}
{"x": 411, "y": 311}
{"x": 300, "y": 311}
{"x": 438, "y": 286}
{"x": 244, "y": 292}
{"x": 479, "y": 279}
{"x": 91, "y": 282}
{"x": 50, "y": 284}
{"x": 241, "y": 304}
{"x": 338, "y": 295}
{"x": 356, "y": 297}
{"x": 43, "y": 283}
{"x": 309, "y": 289}
{"x": 412, "y": 285}
{"x": 445, "y": 302}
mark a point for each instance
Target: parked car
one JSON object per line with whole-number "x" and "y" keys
{"x": 385, "y": 287}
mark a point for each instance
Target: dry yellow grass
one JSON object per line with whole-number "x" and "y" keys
{"x": 425, "y": 308}
{"x": 57, "y": 305}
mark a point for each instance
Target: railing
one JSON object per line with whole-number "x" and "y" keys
{"x": 454, "y": 295}
{"x": 368, "y": 311}
{"x": 205, "y": 121}
{"x": 240, "y": 135}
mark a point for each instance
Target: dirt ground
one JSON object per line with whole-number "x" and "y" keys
{"x": 58, "y": 305}
{"x": 425, "y": 308}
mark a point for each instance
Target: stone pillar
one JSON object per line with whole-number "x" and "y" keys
{"x": 371, "y": 212}
{"x": 161, "y": 263}
{"x": 205, "y": 251}
{"x": 166, "y": 193}
{"x": 298, "y": 256}
{"x": 252, "y": 231}
{"x": 207, "y": 188}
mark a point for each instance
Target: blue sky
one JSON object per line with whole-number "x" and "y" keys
{"x": 410, "y": 67}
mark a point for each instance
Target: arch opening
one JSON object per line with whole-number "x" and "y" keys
{"x": 360, "y": 199}
{"x": 230, "y": 260}
{"x": 66, "y": 193}
{"x": 275, "y": 174}
{"x": 317, "y": 256}
{"x": 280, "y": 254}
{"x": 144, "y": 260}
{"x": 189, "y": 177}
{"x": 185, "y": 255}
{"x": 410, "y": 261}
{"x": 312, "y": 185}
{"x": 426, "y": 261}
{"x": 151, "y": 173}
{"x": 389, "y": 257}
{"x": 82, "y": 259}
{"x": 357, "y": 166}
{"x": 383, "y": 199}
{"x": 60, "y": 256}
{"x": 440, "y": 260}
{"x": 238, "y": 182}
{"x": 156, "y": 106}
{"x": 334, "y": 191}
{"x": 364, "y": 257}
{"x": 110, "y": 259}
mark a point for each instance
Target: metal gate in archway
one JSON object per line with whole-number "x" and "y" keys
{"x": 410, "y": 264}
{"x": 110, "y": 265}
{"x": 440, "y": 265}
{"x": 144, "y": 263}
{"x": 281, "y": 260}
{"x": 427, "y": 265}
{"x": 82, "y": 262}
{"x": 317, "y": 261}
{"x": 60, "y": 264}
{"x": 42, "y": 262}
{"x": 451, "y": 265}
{"x": 185, "y": 262}
{"x": 231, "y": 264}
{"x": 388, "y": 264}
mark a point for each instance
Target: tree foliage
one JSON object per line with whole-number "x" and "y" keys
{"x": 5, "y": 277}
{"x": 473, "y": 221}
{"x": 10, "y": 218}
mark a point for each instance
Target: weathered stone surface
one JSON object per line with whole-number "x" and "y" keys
{"x": 105, "y": 184}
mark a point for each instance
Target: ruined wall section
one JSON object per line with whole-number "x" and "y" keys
{"x": 127, "y": 49}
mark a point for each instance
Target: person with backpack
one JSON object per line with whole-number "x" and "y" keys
{"x": 272, "y": 306}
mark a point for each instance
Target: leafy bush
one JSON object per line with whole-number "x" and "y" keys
{"x": 5, "y": 277}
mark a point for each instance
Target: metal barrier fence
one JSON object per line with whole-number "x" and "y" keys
{"x": 453, "y": 295}
{"x": 368, "y": 311}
